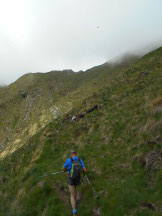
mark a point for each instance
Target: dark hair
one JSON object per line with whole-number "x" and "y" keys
{"x": 74, "y": 152}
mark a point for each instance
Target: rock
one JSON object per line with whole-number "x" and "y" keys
{"x": 148, "y": 205}
{"x": 73, "y": 119}
{"x": 157, "y": 110}
{"x": 41, "y": 184}
{"x": 82, "y": 115}
{"x": 23, "y": 94}
{"x": 144, "y": 72}
{"x": 159, "y": 139}
{"x": 103, "y": 193}
{"x": 153, "y": 160}
{"x": 92, "y": 109}
{"x": 96, "y": 211}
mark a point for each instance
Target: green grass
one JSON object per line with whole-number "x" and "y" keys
{"x": 114, "y": 142}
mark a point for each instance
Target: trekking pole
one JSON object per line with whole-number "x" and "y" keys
{"x": 52, "y": 174}
{"x": 94, "y": 192}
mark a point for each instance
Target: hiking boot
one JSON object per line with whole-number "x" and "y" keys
{"x": 74, "y": 212}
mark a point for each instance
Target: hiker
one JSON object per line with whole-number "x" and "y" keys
{"x": 73, "y": 165}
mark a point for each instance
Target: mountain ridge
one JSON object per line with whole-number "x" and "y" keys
{"x": 54, "y": 92}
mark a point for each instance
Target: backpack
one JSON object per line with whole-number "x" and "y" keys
{"x": 76, "y": 168}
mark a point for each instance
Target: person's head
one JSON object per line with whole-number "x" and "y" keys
{"x": 73, "y": 153}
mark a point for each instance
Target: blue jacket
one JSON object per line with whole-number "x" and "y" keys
{"x": 68, "y": 163}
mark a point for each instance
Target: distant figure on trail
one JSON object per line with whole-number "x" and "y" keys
{"x": 74, "y": 165}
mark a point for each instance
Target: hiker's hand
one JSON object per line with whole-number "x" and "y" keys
{"x": 84, "y": 170}
{"x": 64, "y": 169}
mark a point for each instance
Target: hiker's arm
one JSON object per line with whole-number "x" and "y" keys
{"x": 83, "y": 166}
{"x": 65, "y": 167}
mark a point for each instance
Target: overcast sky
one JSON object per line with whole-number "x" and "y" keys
{"x": 44, "y": 35}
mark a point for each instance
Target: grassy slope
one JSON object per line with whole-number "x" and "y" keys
{"x": 33, "y": 100}
{"x": 120, "y": 144}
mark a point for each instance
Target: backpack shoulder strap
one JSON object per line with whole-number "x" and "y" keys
{"x": 73, "y": 160}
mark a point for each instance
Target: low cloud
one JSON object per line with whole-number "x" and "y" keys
{"x": 56, "y": 35}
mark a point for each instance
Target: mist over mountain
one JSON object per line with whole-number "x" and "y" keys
{"x": 2, "y": 85}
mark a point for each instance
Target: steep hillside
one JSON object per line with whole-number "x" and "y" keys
{"x": 34, "y": 100}
{"x": 117, "y": 131}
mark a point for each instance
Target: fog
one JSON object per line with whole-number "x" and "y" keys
{"x": 39, "y": 36}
